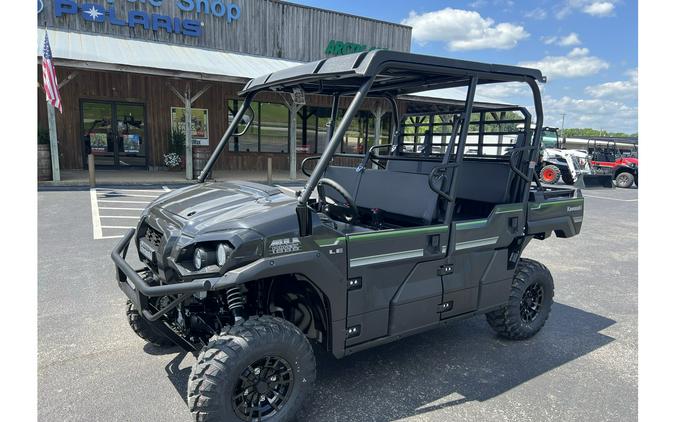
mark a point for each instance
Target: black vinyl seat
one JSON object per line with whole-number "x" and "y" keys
{"x": 402, "y": 194}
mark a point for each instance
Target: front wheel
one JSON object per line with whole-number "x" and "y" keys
{"x": 143, "y": 329}
{"x": 624, "y": 180}
{"x": 260, "y": 369}
{"x": 549, "y": 174}
{"x": 529, "y": 304}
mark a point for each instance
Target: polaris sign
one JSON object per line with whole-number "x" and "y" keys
{"x": 93, "y": 12}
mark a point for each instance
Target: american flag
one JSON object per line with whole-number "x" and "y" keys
{"x": 51, "y": 85}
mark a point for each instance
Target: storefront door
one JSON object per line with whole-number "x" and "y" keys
{"x": 115, "y": 132}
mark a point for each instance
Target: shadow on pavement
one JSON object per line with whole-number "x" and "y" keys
{"x": 438, "y": 369}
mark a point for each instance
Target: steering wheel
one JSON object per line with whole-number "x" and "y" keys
{"x": 347, "y": 212}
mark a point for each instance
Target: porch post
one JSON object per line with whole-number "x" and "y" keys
{"x": 293, "y": 107}
{"x": 293, "y": 147}
{"x": 188, "y": 133}
{"x": 378, "y": 113}
{"x": 53, "y": 143}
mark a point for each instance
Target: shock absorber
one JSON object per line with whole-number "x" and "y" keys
{"x": 235, "y": 302}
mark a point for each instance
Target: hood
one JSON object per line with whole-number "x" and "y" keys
{"x": 207, "y": 207}
{"x": 629, "y": 160}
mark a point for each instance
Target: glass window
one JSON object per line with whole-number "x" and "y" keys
{"x": 322, "y": 133}
{"x": 307, "y": 130}
{"x": 274, "y": 124}
{"x": 249, "y": 141}
{"x": 354, "y": 141}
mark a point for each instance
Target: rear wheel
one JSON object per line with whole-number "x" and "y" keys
{"x": 549, "y": 174}
{"x": 529, "y": 304}
{"x": 143, "y": 329}
{"x": 624, "y": 180}
{"x": 260, "y": 369}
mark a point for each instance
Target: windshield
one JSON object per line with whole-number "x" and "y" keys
{"x": 549, "y": 139}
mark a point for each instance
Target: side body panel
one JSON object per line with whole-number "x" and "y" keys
{"x": 380, "y": 264}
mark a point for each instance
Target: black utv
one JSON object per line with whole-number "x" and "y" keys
{"x": 421, "y": 232}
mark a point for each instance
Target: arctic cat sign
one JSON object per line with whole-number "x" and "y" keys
{"x": 339, "y": 48}
{"x": 102, "y": 13}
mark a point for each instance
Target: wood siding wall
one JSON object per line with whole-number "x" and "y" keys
{"x": 266, "y": 27}
{"x": 153, "y": 92}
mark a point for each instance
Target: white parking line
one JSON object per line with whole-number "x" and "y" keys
{"x": 159, "y": 191}
{"x": 117, "y": 195}
{"x": 124, "y": 202}
{"x": 121, "y": 209}
{"x": 95, "y": 220}
{"x": 114, "y": 202}
{"x": 610, "y": 199}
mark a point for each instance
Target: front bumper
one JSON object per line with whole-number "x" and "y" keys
{"x": 136, "y": 284}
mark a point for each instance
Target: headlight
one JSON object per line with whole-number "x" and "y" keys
{"x": 199, "y": 258}
{"x": 223, "y": 254}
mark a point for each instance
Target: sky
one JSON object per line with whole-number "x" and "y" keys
{"x": 588, "y": 49}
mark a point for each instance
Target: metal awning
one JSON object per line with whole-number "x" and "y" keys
{"x": 99, "y": 52}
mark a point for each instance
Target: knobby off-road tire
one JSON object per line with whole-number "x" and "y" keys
{"x": 143, "y": 329}
{"x": 264, "y": 361}
{"x": 549, "y": 174}
{"x": 567, "y": 177}
{"x": 529, "y": 303}
{"x": 624, "y": 180}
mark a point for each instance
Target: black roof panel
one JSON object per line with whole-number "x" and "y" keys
{"x": 397, "y": 73}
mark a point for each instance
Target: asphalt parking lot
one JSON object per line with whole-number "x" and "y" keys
{"x": 582, "y": 366}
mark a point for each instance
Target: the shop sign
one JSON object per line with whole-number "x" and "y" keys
{"x": 339, "y": 48}
{"x": 94, "y": 12}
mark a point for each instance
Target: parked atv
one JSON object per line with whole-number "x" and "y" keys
{"x": 608, "y": 160}
{"x": 247, "y": 277}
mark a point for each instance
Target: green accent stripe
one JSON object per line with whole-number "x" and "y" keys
{"x": 507, "y": 209}
{"x": 390, "y": 234}
{"x": 472, "y": 224}
{"x": 330, "y": 242}
{"x": 548, "y": 204}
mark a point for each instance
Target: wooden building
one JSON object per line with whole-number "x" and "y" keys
{"x": 132, "y": 69}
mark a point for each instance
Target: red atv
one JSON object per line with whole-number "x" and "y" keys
{"x": 609, "y": 160}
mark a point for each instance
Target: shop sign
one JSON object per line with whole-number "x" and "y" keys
{"x": 200, "y": 124}
{"x": 93, "y": 12}
{"x": 339, "y": 48}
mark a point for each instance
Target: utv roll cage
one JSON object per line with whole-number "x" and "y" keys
{"x": 387, "y": 75}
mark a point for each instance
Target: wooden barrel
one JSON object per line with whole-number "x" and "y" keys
{"x": 200, "y": 155}
{"x": 44, "y": 162}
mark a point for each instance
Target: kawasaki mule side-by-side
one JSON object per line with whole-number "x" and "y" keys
{"x": 421, "y": 232}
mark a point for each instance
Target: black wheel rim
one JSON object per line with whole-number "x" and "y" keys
{"x": 263, "y": 388}
{"x": 530, "y": 304}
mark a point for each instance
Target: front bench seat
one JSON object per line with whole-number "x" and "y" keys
{"x": 404, "y": 194}
{"x": 407, "y": 195}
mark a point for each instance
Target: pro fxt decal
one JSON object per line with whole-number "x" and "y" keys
{"x": 288, "y": 245}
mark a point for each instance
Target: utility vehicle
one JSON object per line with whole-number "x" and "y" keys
{"x": 608, "y": 159}
{"x": 556, "y": 163}
{"x": 247, "y": 276}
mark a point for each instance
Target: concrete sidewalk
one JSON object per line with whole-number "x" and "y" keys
{"x": 80, "y": 178}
